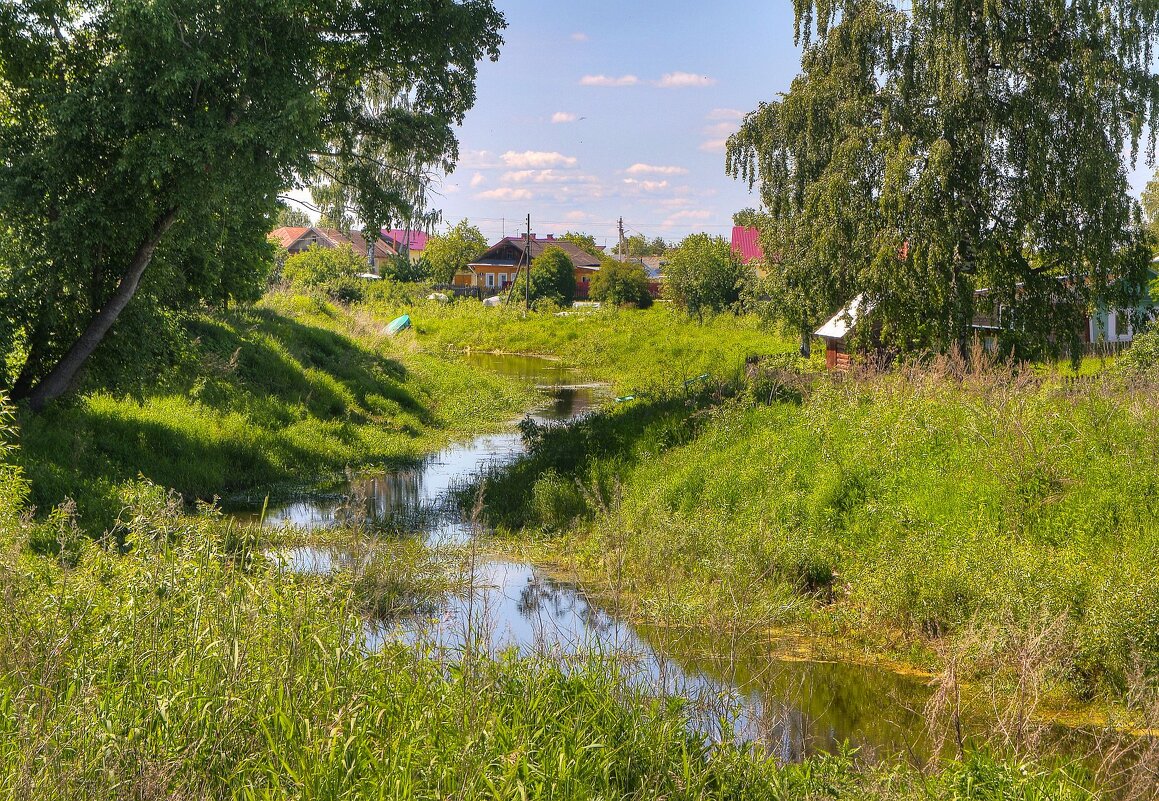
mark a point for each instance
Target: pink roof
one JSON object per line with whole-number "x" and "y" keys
{"x": 746, "y": 243}
{"x": 401, "y": 236}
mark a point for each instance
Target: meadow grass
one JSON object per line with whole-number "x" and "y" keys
{"x": 634, "y": 349}
{"x": 176, "y": 661}
{"x": 271, "y": 399}
{"x": 910, "y": 510}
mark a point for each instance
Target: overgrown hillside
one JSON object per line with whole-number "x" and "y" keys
{"x": 908, "y": 511}
{"x": 276, "y": 397}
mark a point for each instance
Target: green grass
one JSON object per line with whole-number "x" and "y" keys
{"x": 634, "y": 349}
{"x": 276, "y": 398}
{"x": 912, "y": 511}
{"x": 190, "y": 666}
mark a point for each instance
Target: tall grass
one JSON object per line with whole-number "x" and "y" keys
{"x": 186, "y": 665}
{"x": 898, "y": 509}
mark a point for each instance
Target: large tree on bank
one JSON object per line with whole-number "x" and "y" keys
{"x": 143, "y": 144}
{"x": 956, "y": 145}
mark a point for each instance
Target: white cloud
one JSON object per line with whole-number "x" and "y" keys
{"x": 563, "y": 116}
{"x": 720, "y": 130}
{"x": 579, "y": 36}
{"x": 681, "y": 80}
{"x": 713, "y": 146}
{"x": 647, "y": 186}
{"x": 688, "y": 216}
{"x": 605, "y": 80}
{"x": 477, "y": 180}
{"x": 546, "y": 177}
{"x": 577, "y": 216}
{"x": 652, "y": 169}
{"x": 725, "y": 114}
{"x": 504, "y": 193}
{"x": 536, "y": 159}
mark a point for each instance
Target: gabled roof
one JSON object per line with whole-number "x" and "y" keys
{"x": 288, "y": 235}
{"x": 746, "y": 244}
{"x": 513, "y": 250}
{"x": 406, "y": 239}
{"x": 358, "y": 242}
{"x": 843, "y": 322}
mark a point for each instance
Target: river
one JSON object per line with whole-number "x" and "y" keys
{"x": 768, "y": 691}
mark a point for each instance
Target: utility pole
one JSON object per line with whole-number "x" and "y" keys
{"x": 527, "y": 278}
{"x": 620, "y": 247}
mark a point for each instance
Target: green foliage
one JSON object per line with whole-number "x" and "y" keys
{"x": 270, "y": 399}
{"x": 451, "y": 252}
{"x": 918, "y": 503}
{"x": 638, "y": 245}
{"x": 291, "y": 217}
{"x": 401, "y": 268}
{"x": 334, "y": 270}
{"x": 193, "y": 666}
{"x": 552, "y": 278}
{"x": 1142, "y": 358}
{"x": 619, "y": 283}
{"x": 703, "y": 275}
{"x": 585, "y": 242}
{"x": 145, "y": 145}
{"x": 882, "y": 174}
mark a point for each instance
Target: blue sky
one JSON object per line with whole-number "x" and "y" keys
{"x": 601, "y": 110}
{"x": 597, "y": 110}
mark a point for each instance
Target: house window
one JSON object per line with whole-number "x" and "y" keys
{"x": 1120, "y": 326}
{"x": 490, "y": 279}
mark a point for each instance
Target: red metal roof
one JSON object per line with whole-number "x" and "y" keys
{"x": 404, "y": 238}
{"x": 746, "y": 243}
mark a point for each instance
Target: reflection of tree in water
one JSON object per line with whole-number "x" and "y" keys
{"x": 542, "y": 595}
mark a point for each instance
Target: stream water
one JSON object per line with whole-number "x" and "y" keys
{"x": 793, "y": 705}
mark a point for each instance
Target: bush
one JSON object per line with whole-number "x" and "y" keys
{"x": 619, "y": 283}
{"x": 1142, "y": 358}
{"x": 703, "y": 274}
{"x": 333, "y": 270}
{"x": 552, "y": 278}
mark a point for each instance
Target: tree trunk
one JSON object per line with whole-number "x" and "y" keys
{"x": 806, "y": 338}
{"x": 61, "y": 377}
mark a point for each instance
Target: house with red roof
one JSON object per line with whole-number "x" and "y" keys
{"x": 746, "y": 244}
{"x": 296, "y": 240}
{"x": 406, "y": 242}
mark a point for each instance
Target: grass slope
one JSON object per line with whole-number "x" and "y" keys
{"x": 272, "y": 398}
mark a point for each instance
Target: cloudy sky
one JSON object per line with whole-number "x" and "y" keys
{"x": 601, "y": 110}
{"x": 598, "y": 110}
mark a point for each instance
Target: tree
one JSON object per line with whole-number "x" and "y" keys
{"x": 585, "y": 242}
{"x": 747, "y": 218}
{"x": 451, "y": 252}
{"x": 290, "y": 217}
{"x": 620, "y": 283}
{"x": 704, "y": 274}
{"x": 638, "y": 245}
{"x": 143, "y": 139}
{"x": 552, "y": 278}
{"x": 923, "y": 155}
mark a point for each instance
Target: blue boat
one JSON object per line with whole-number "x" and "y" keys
{"x": 398, "y": 324}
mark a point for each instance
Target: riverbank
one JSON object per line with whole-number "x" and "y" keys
{"x": 278, "y": 399}
{"x": 1005, "y": 526}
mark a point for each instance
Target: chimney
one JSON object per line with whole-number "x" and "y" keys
{"x": 551, "y": 237}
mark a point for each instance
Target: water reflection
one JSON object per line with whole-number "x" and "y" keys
{"x": 420, "y": 498}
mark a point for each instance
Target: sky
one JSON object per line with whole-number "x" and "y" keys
{"x": 602, "y": 110}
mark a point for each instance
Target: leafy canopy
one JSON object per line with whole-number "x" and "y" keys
{"x": 925, "y": 154}
{"x": 451, "y": 252}
{"x": 619, "y": 283}
{"x": 145, "y": 144}
{"x": 703, "y": 274}
{"x": 552, "y": 278}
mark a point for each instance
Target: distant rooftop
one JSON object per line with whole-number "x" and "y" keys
{"x": 746, "y": 244}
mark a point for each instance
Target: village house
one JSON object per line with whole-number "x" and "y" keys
{"x": 497, "y": 268}
{"x": 406, "y": 242}
{"x": 746, "y": 246}
{"x": 297, "y": 240}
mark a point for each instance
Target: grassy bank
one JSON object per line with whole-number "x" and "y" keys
{"x": 191, "y": 666}
{"x": 274, "y": 398}
{"x": 634, "y": 349}
{"x": 995, "y": 520}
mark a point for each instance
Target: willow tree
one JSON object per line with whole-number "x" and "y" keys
{"x": 143, "y": 145}
{"x": 926, "y": 153}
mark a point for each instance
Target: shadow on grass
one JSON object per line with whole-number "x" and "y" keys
{"x": 570, "y": 471}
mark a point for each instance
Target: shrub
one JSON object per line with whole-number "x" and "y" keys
{"x": 333, "y": 270}
{"x": 703, "y": 274}
{"x": 619, "y": 283}
{"x": 552, "y": 278}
